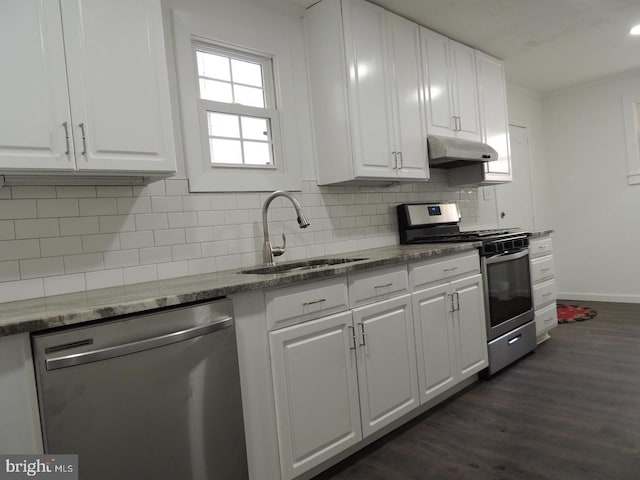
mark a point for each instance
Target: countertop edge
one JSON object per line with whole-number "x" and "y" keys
{"x": 34, "y": 315}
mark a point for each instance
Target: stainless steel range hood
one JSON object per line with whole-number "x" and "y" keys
{"x": 447, "y": 152}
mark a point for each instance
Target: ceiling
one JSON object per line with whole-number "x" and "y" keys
{"x": 546, "y": 44}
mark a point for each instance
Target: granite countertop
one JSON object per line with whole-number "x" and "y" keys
{"x": 75, "y": 308}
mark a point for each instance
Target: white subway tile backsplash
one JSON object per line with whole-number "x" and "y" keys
{"x": 229, "y": 262}
{"x": 211, "y": 218}
{"x": 127, "y": 205}
{"x": 9, "y": 271}
{"x": 194, "y": 203}
{"x": 19, "y": 191}
{"x": 97, "y": 206}
{"x": 224, "y": 201}
{"x": 85, "y": 262}
{"x": 121, "y": 258}
{"x": 172, "y": 270}
{"x": 186, "y": 252}
{"x": 114, "y": 191}
{"x": 166, "y": 204}
{"x": 199, "y": 234}
{"x": 7, "y": 230}
{"x": 248, "y": 201}
{"x": 37, "y": 228}
{"x": 225, "y": 232}
{"x": 155, "y": 188}
{"x": 183, "y": 219}
{"x": 244, "y": 245}
{"x": 215, "y": 249}
{"x": 151, "y": 221}
{"x": 235, "y": 217}
{"x": 53, "y": 247}
{"x": 177, "y": 187}
{"x": 12, "y": 209}
{"x": 169, "y": 237}
{"x": 41, "y": 267}
{"x": 58, "y": 207}
{"x": 155, "y": 255}
{"x": 21, "y": 290}
{"x": 75, "y": 192}
{"x": 5, "y": 193}
{"x": 104, "y": 279}
{"x": 100, "y": 243}
{"x": 202, "y": 265}
{"x": 136, "y": 239}
{"x": 64, "y": 284}
{"x": 79, "y": 225}
{"x": 19, "y": 249}
{"x": 116, "y": 223}
{"x": 146, "y": 273}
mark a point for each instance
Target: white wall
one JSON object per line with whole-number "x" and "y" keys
{"x": 60, "y": 239}
{"x": 594, "y": 211}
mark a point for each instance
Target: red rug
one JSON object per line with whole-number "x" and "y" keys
{"x": 574, "y": 313}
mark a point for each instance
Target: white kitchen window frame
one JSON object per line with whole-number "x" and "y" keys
{"x": 631, "y": 111}
{"x": 273, "y": 44}
{"x": 268, "y": 112}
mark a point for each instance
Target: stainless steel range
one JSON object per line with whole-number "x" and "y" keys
{"x": 504, "y": 257}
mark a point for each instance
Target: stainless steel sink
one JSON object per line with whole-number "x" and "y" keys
{"x": 302, "y": 265}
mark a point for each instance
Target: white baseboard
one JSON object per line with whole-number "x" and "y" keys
{"x": 599, "y": 297}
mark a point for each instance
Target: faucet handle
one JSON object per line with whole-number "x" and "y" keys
{"x": 277, "y": 251}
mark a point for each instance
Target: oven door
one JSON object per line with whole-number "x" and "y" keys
{"x": 507, "y": 292}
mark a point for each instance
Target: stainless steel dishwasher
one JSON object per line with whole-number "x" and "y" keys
{"x": 147, "y": 396}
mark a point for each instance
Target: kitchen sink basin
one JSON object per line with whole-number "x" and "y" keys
{"x": 301, "y": 265}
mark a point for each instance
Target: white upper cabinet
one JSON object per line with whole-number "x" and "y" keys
{"x": 89, "y": 88}
{"x": 450, "y": 87}
{"x": 366, "y": 93}
{"x": 492, "y": 94}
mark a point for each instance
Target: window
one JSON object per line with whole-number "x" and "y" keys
{"x": 238, "y": 106}
{"x": 242, "y": 94}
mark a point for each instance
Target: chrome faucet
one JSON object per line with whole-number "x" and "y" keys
{"x": 269, "y": 251}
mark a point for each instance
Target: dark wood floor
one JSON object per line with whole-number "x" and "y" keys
{"x": 569, "y": 411}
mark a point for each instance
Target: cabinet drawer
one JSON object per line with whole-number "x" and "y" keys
{"x": 425, "y": 273}
{"x": 540, "y": 246}
{"x": 300, "y": 303}
{"x": 544, "y": 293}
{"x": 368, "y": 287}
{"x": 541, "y": 268}
{"x": 546, "y": 318}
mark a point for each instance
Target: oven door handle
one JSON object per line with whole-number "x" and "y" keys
{"x": 504, "y": 257}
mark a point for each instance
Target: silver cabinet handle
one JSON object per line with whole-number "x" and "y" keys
{"x": 453, "y": 308}
{"x": 383, "y": 286}
{"x": 459, "y": 123}
{"x": 451, "y": 269}
{"x": 364, "y": 335}
{"x": 84, "y": 140}
{"x": 455, "y": 123}
{"x": 352, "y": 334}
{"x": 138, "y": 346}
{"x": 546, "y": 294}
{"x": 395, "y": 160}
{"x": 545, "y": 269}
{"x": 514, "y": 339}
{"x": 400, "y": 159}
{"x": 457, "y": 301}
{"x": 66, "y": 136}
{"x": 313, "y": 302}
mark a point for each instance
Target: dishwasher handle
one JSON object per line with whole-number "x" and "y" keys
{"x": 137, "y": 346}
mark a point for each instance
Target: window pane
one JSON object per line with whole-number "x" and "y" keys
{"x": 223, "y": 125}
{"x": 255, "y": 128}
{"x": 216, "y": 91}
{"x": 257, "y": 153}
{"x": 247, "y": 73}
{"x": 250, "y": 96}
{"x": 213, "y": 66}
{"x": 225, "y": 151}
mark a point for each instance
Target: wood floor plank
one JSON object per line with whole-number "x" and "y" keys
{"x": 569, "y": 411}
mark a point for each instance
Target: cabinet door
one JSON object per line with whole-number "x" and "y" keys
{"x": 118, "y": 85}
{"x": 410, "y": 132}
{"x": 316, "y": 392}
{"x": 493, "y": 109}
{"x": 367, "y": 54}
{"x": 435, "y": 340}
{"x": 34, "y": 105}
{"x": 471, "y": 325}
{"x": 463, "y": 62}
{"x": 387, "y": 376}
{"x": 438, "y": 89}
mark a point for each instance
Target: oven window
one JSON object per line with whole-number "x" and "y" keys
{"x": 509, "y": 289}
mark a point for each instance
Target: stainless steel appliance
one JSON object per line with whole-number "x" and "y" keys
{"x": 504, "y": 257}
{"x": 146, "y": 396}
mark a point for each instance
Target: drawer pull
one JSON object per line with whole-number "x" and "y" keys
{"x": 383, "y": 286}
{"x": 450, "y": 269}
{"x": 313, "y": 302}
{"x": 542, "y": 247}
{"x": 545, "y": 269}
{"x": 364, "y": 335}
{"x": 544, "y": 295}
{"x": 514, "y": 339}
{"x": 352, "y": 334}
{"x": 549, "y": 320}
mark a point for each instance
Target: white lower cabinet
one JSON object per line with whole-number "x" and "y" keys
{"x": 387, "y": 376}
{"x": 316, "y": 391}
{"x": 543, "y": 286}
{"x": 451, "y": 341}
